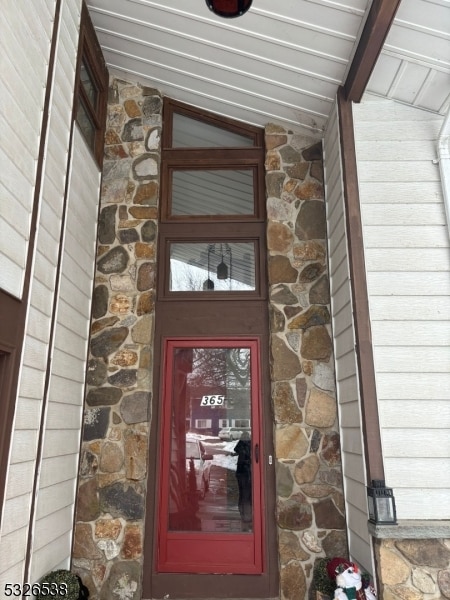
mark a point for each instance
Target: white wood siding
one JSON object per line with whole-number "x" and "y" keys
{"x": 26, "y": 31}
{"x": 344, "y": 348}
{"x": 51, "y": 527}
{"x": 56, "y": 497}
{"x": 408, "y": 273}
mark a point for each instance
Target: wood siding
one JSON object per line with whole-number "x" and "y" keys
{"x": 59, "y": 466}
{"x": 345, "y": 356}
{"x": 41, "y": 484}
{"x": 25, "y": 41}
{"x": 408, "y": 273}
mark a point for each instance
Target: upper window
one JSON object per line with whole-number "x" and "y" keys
{"x": 91, "y": 88}
{"x": 221, "y": 266}
{"x": 191, "y": 133}
{"x": 201, "y": 192}
{"x": 187, "y": 127}
{"x": 212, "y": 168}
{"x": 212, "y": 210}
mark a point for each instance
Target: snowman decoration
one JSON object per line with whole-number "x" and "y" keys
{"x": 348, "y": 581}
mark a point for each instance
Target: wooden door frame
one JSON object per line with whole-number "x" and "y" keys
{"x": 188, "y": 585}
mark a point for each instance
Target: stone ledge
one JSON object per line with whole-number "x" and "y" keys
{"x": 412, "y": 530}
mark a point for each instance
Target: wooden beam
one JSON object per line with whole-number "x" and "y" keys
{"x": 376, "y": 28}
{"x": 360, "y": 299}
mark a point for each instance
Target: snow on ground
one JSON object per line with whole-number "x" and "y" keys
{"x": 225, "y": 459}
{"x": 221, "y": 450}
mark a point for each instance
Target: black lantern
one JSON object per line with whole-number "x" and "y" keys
{"x": 222, "y": 270}
{"x": 222, "y": 267}
{"x": 381, "y": 503}
{"x": 229, "y": 8}
{"x": 208, "y": 285}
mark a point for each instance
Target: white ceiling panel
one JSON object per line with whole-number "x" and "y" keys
{"x": 414, "y": 66}
{"x": 280, "y": 62}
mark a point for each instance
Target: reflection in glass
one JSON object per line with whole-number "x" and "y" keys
{"x": 86, "y": 125}
{"x": 243, "y": 449}
{"x": 223, "y": 266}
{"x": 88, "y": 85}
{"x": 210, "y": 470}
{"x": 191, "y": 133}
{"x": 214, "y": 192}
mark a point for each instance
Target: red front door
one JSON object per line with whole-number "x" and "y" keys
{"x": 210, "y": 472}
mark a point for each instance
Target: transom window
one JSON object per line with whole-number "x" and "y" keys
{"x": 212, "y": 213}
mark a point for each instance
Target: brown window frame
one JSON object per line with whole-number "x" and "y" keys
{"x": 231, "y": 227}
{"x": 174, "y": 106}
{"x": 90, "y": 54}
{"x": 213, "y": 160}
{"x": 216, "y": 233}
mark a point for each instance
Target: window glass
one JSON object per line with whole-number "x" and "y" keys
{"x": 212, "y": 267}
{"x": 191, "y": 133}
{"x": 211, "y": 467}
{"x": 212, "y": 192}
{"x": 86, "y": 124}
{"x": 88, "y": 84}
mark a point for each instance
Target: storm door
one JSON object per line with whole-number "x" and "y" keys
{"x": 210, "y": 505}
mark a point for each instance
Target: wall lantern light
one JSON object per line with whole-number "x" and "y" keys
{"x": 381, "y": 503}
{"x": 229, "y": 8}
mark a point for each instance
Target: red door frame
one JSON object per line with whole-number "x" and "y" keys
{"x": 196, "y": 552}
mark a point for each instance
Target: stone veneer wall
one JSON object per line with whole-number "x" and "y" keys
{"x": 108, "y": 543}
{"x": 413, "y": 569}
{"x": 309, "y": 485}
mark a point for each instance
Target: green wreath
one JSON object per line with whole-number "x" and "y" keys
{"x": 59, "y": 584}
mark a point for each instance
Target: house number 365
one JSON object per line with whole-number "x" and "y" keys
{"x": 214, "y": 400}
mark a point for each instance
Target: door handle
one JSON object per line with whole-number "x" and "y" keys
{"x": 257, "y": 453}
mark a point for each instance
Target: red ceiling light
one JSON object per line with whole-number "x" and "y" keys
{"x": 229, "y": 8}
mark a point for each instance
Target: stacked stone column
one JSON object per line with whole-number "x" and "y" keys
{"x": 310, "y": 512}
{"x": 108, "y": 546}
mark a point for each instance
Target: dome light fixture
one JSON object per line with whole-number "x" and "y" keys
{"x": 229, "y": 8}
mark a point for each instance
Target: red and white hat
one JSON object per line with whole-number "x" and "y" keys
{"x": 338, "y": 565}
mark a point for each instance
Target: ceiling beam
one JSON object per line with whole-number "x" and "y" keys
{"x": 379, "y": 20}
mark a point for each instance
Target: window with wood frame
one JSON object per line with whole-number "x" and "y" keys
{"x": 91, "y": 88}
{"x": 212, "y": 214}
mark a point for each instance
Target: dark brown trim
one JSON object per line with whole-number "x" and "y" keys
{"x": 360, "y": 300}
{"x": 90, "y": 52}
{"x": 13, "y": 310}
{"x": 376, "y": 28}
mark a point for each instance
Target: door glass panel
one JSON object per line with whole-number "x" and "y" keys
{"x": 210, "y": 481}
{"x": 212, "y": 267}
{"x": 212, "y": 192}
{"x": 191, "y": 133}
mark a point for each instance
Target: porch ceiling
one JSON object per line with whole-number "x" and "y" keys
{"x": 282, "y": 62}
